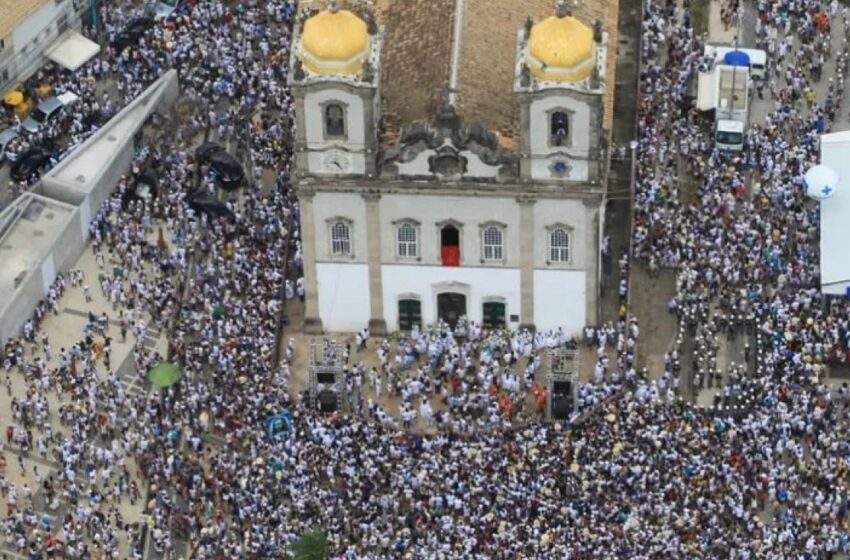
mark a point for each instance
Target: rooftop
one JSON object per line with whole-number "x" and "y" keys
{"x": 417, "y": 57}
{"x": 15, "y": 12}
{"x": 28, "y": 229}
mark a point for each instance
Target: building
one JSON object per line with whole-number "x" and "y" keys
{"x": 34, "y": 31}
{"x": 44, "y": 231}
{"x": 450, "y": 160}
{"x": 834, "y": 214}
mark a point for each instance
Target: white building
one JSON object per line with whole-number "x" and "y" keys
{"x": 835, "y": 216}
{"x": 31, "y": 30}
{"x": 438, "y": 218}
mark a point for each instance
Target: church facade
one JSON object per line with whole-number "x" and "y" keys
{"x": 435, "y": 217}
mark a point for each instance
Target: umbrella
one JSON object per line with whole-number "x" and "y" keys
{"x": 217, "y": 311}
{"x": 13, "y": 98}
{"x": 164, "y": 375}
{"x": 737, "y": 58}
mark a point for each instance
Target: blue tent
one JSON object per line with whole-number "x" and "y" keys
{"x": 737, "y": 58}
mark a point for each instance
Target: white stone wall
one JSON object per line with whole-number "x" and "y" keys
{"x": 559, "y": 300}
{"x": 426, "y": 282}
{"x": 471, "y": 211}
{"x": 343, "y": 296}
{"x": 571, "y": 213}
{"x": 355, "y": 141}
{"x": 327, "y": 206}
{"x": 580, "y": 135}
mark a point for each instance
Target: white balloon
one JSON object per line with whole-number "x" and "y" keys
{"x": 820, "y": 182}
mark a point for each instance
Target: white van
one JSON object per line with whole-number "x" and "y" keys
{"x": 758, "y": 58}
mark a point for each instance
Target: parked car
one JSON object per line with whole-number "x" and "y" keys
{"x": 46, "y": 111}
{"x": 227, "y": 169}
{"x": 132, "y": 32}
{"x": 205, "y": 203}
{"x": 5, "y": 137}
{"x": 30, "y": 162}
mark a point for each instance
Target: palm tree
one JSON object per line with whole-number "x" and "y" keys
{"x": 312, "y": 545}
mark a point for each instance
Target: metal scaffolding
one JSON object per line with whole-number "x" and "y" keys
{"x": 562, "y": 382}
{"x": 326, "y": 364}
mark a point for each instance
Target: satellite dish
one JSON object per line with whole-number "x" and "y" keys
{"x": 820, "y": 182}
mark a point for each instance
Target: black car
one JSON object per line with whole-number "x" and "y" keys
{"x": 30, "y": 162}
{"x": 205, "y": 203}
{"x": 130, "y": 35}
{"x": 228, "y": 171}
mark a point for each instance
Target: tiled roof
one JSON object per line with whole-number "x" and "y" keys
{"x": 488, "y": 57}
{"x": 416, "y": 57}
{"x": 417, "y": 51}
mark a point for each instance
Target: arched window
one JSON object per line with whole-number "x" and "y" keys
{"x": 340, "y": 239}
{"x": 559, "y": 246}
{"x": 559, "y": 128}
{"x": 493, "y": 247}
{"x": 334, "y": 120}
{"x": 407, "y": 240}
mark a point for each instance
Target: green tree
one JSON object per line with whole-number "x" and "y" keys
{"x": 312, "y": 545}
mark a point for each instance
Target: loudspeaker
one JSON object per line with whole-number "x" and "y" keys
{"x": 562, "y": 400}
{"x": 326, "y": 401}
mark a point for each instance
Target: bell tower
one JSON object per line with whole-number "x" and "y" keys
{"x": 560, "y": 82}
{"x": 335, "y": 79}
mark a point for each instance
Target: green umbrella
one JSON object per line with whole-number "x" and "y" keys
{"x": 217, "y": 311}
{"x": 164, "y": 375}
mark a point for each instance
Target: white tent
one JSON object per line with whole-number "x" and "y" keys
{"x": 71, "y": 50}
{"x": 835, "y": 217}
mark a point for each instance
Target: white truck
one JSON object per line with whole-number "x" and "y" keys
{"x": 757, "y": 57}
{"x": 725, "y": 91}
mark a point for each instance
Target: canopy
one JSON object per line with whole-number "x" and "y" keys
{"x": 13, "y": 98}
{"x": 737, "y": 58}
{"x": 71, "y": 50}
{"x": 164, "y": 375}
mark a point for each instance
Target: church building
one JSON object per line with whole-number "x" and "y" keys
{"x": 451, "y": 160}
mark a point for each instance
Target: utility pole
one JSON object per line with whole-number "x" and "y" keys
{"x": 739, "y": 13}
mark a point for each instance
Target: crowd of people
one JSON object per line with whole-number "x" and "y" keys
{"x": 464, "y": 468}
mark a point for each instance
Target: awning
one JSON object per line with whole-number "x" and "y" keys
{"x": 737, "y": 58}
{"x": 71, "y": 50}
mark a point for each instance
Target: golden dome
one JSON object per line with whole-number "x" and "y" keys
{"x": 561, "y": 49}
{"x": 334, "y": 42}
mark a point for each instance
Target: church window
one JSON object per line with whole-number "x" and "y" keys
{"x": 559, "y": 245}
{"x": 407, "y": 240}
{"x": 340, "y": 239}
{"x": 493, "y": 244}
{"x": 334, "y": 120}
{"x": 559, "y": 129}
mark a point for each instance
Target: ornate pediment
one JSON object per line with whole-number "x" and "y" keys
{"x": 455, "y": 153}
{"x": 447, "y": 162}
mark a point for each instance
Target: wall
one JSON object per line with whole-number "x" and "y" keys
{"x": 427, "y": 281}
{"x": 571, "y": 213}
{"x": 471, "y": 211}
{"x": 580, "y": 136}
{"x": 343, "y": 296}
{"x": 559, "y": 300}
{"x": 326, "y": 208}
{"x": 63, "y": 253}
{"x": 355, "y": 140}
